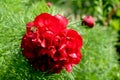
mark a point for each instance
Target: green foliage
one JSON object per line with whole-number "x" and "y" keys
{"x": 99, "y": 56}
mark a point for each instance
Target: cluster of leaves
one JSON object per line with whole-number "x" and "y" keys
{"x": 98, "y": 61}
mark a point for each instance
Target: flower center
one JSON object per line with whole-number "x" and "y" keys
{"x": 33, "y": 29}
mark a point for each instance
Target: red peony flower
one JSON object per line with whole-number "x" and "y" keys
{"x": 89, "y": 21}
{"x": 49, "y": 46}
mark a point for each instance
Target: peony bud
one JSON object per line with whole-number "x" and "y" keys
{"x": 49, "y": 4}
{"x": 89, "y": 21}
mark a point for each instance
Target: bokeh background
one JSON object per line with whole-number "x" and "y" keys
{"x": 100, "y": 52}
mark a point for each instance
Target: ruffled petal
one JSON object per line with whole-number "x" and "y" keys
{"x": 62, "y": 20}
{"x": 68, "y": 67}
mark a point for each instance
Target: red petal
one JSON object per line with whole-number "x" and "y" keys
{"x": 42, "y": 19}
{"x": 61, "y": 55}
{"x": 29, "y": 25}
{"x": 49, "y": 22}
{"x": 77, "y": 39}
{"x": 52, "y": 50}
{"x": 75, "y": 60}
{"x": 68, "y": 67}
{"x": 43, "y": 43}
{"x": 62, "y": 20}
{"x": 73, "y": 55}
{"x": 62, "y": 46}
{"x": 28, "y": 54}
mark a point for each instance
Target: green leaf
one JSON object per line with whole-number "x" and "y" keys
{"x": 115, "y": 23}
{"x": 118, "y": 12}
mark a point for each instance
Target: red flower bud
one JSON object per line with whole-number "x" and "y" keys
{"x": 89, "y": 21}
{"x": 49, "y": 4}
{"x": 49, "y": 46}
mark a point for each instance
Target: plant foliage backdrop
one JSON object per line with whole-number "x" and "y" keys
{"x": 99, "y": 61}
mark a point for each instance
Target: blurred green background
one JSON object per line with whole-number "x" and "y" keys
{"x": 106, "y": 12}
{"x": 100, "y": 59}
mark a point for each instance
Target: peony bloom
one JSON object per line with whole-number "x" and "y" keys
{"x": 49, "y": 46}
{"x": 89, "y": 21}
